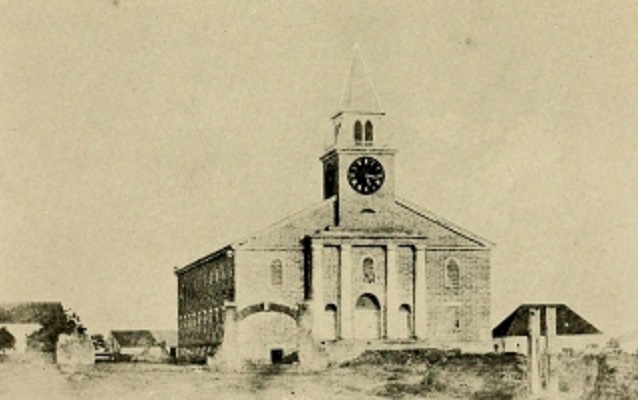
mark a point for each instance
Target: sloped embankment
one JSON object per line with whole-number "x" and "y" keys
{"x": 443, "y": 374}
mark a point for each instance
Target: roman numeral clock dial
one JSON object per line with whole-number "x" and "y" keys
{"x": 366, "y": 175}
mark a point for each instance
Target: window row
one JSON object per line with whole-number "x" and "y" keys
{"x": 452, "y": 272}
{"x": 194, "y": 287}
{"x": 212, "y": 316}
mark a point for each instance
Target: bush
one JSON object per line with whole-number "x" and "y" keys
{"x": 7, "y": 341}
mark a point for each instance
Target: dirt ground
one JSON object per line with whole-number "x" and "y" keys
{"x": 147, "y": 381}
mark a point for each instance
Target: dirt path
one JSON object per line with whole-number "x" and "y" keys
{"x": 143, "y": 381}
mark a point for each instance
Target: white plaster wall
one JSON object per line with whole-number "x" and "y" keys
{"x": 20, "y": 333}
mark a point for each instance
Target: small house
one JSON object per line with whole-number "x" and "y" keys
{"x": 23, "y": 320}
{"x": 570, "y": 332}
{"x": 137, "y": 345}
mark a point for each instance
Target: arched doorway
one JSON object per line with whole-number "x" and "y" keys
{"x": 330, "y": 319}
{"x": 367, "y": 318}
{"x": 267, "y": 333}
{"x": 404, "y": 328}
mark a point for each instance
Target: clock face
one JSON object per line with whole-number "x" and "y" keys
{"x": 366, "y": 175}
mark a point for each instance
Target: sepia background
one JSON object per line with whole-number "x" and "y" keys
{"x": 136, "y": 136}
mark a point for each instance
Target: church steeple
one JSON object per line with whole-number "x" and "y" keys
{"x": 359, "y": 94}
{"x": 358, "y": 167}
{"x": 360, "y": 114}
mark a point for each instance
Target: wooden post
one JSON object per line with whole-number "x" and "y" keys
{"x": 533, "y": 338}
{"x": 550, "y": 350}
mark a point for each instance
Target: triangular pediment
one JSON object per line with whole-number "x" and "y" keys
{"x": 415, "y": 220}
{"x": 289, "y": 232}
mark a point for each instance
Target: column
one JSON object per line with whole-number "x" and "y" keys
{"x": 420, "y": 292}
{"x": 317, "y": 290}
{"x": 550, "y": 350}
{"x": 346, "y": 302}
{"x": 533, "y": 337}
{"x": 392, "y": 293}
{"x": 230, "y": 345}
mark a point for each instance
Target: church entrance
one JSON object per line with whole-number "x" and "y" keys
{"x": 367, "y": 317}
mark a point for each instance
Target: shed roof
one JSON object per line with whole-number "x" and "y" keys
{"x": 134, "y": 338}
{"x": 567, "y": 322}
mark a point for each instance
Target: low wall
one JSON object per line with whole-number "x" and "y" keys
{"x": 75, "y": 350}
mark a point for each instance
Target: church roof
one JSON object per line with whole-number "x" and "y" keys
{"x": 359, "y": 94}
{"x": 443, "y": 223}
{"x": 567, "y": 322}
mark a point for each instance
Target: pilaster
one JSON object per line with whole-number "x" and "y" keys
{"x": 420, "y": 294}
{"x": 317, "y": 290}
{"x": 392, "y": 292}
{"x": 346, "y": 304}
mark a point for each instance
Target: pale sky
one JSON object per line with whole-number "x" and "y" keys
{"x": 139, "y": 136}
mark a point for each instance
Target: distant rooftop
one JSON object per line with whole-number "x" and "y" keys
{"x": 567, "y": 322}
{"x": 134, "y": 338}
{"x": 29, "y": 312}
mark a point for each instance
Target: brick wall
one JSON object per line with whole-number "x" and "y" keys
{"x": 202, "y": 291}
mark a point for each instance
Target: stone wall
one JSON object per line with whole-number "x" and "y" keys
{"x": 254, "y": 277}
{"x": 75, "y": 350}
{"x": 458, "y": 313}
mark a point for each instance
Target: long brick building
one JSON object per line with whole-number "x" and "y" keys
{"x": 362, "y": 266}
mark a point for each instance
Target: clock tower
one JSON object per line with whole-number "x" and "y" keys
{"x": 358, "y": 168}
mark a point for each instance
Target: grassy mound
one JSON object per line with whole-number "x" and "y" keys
{"x": 450, "y": 374}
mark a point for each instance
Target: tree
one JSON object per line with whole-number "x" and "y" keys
{"x": 7, "y": 341}
{"x": 53, "y": 325}
{"x": 99, "y": 343}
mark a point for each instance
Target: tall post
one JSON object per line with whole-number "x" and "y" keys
{"x": 392, "y": 286}
{"x": 346, "y": 302}
{"x": 550, "y": 349}
{"x": 533, "y": 338}
{"x": 317, "y": 290}
{"x": 420, "y": 292}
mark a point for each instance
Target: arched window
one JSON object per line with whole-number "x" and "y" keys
{"x": 358, "y": 133}
{"x": 276, "y": 273}
{"x": 369, "y": 134}
{"x": 368, "y": 270}
{"x": 452, "y": 273}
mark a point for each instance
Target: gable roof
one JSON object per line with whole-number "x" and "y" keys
{"x": 443, "y": 223}
{"x": 30, "y": 312}
{"x": 168, "y": 337}
{"x": 567, "y": 322}
{"x": 134, "y": 338}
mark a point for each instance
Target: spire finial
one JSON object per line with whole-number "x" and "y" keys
{"x": 359, "y": 93}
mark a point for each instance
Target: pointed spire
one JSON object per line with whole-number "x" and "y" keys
{"x": 359, "y": 93}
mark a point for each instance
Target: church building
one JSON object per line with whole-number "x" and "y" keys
{"x": 362, "y": 267}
